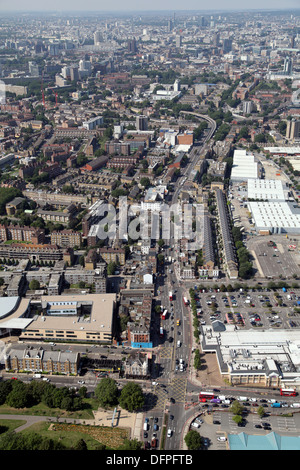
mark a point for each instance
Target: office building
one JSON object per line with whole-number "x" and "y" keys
{"x": 293, "y": 129}
{"x": 86, "y": 318}
{"x": 141, "y": 123}
{"x": 131, "y": 45}
{"x": 227, "y": 46}
{"x": 178, "y": 41}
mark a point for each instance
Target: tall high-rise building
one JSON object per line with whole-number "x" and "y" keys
{"x": 288, "y": 66}
{"x": 178, "y": 40}
{"x": 216, "y": 39}
{"x": 131, "y": 45}
{"x": 227, "y": 45}
{"x": 293, "y": 129}
{"x": 141, "y": 123}
{"x": 247, "y": 107}
{"x": 97, "y": 38}
{"x": 74, "y": 74}
{"x": 33, "y": 69}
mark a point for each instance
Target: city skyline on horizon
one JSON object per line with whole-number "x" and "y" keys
{"x": 135, "y": 6}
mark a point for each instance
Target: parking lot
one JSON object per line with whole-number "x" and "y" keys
{"x": 281, "y": 259}
{"x": 216, "y": 424}
{"x": 264, "y": 309}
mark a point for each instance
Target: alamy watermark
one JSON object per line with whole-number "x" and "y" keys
{"x": 151, "y": 221}
{"x": 2, "y": 92}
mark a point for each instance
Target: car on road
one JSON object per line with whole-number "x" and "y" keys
{"x": 221, "y": 439}
{"x": 81, "y": 381}
{"x": 169, "y": 434}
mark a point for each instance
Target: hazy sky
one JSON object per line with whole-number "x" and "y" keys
{"x": 138, "y": 5}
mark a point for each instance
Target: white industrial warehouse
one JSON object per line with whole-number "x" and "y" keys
{"x": 244, "y": 166}
{"x": 267, "y": 190}
{"x": 277, "y": 217}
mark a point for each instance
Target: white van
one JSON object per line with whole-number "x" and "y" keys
{"x": 145, "y": 426}
{"x": 195, "y": 425}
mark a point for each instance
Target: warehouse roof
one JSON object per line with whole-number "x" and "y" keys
{"x": 267, "y": 189}
{"x": 275, "y": 214}
{"x": 271, "y": 441}
{"x": 244, "y": 166}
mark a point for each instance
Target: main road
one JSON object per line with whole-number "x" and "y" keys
{"x": 176, "y": 379}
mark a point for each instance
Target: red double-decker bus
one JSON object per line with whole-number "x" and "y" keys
{"x": 164, "y": 314}
{"x": 288, "y": 392}
{"x": 203, "y": 396}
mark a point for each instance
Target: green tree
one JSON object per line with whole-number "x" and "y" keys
{"x": 131, "y": 397}
{"x": 111, "y": 267}
{"x": 197, "y": 360}
{"x": 131, "y": 444}
{"x": 80, "y": 445}
{"x": 19, "y": 397}
{"x": 236, "y": 407}
{"x": 237, "y": 419}
{"x": 193, "y": 440}
{"x": 145, "y": 182}
{"x": 261, "y": 411}
{"x": 107, "y": 392}
{"x": 34, "y": 284}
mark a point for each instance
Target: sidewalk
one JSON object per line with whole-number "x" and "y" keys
{"x": 123, "y": 419}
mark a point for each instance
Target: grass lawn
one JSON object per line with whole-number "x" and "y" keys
{"x": 90, "y": 404}
{"x": 10, "y": 424}
{"x": 69, "y": 434}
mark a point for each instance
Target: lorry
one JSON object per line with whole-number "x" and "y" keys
{"x": 224, "y": 400}
{"x": 243, "y": 398}
{"x": 295, "y": 405}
